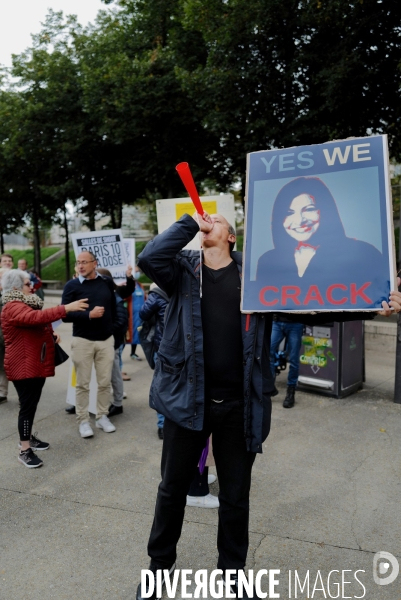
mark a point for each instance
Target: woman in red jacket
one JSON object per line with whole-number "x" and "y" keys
{"x": 30, "y": 354}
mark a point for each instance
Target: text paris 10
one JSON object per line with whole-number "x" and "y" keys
{"x": 107, "y": 255}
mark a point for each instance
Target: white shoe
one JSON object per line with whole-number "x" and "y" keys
{"x": 124, "y": 395}
{"x": 85, "y": 429}
{"x": 105, "y": 424}
{"x": 211, "y": 478}
{"x": 208, "y": 501}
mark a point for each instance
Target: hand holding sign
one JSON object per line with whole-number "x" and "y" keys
{"x": 394, "y": 305}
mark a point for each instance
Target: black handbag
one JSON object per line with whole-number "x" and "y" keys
{"x": 59, "y": 355}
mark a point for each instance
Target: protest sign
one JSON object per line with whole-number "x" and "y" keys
{"x": 171, "y": 210}
{"x": 319, "y": 230}
{"x": 129, "y": 245}
{"x": 107, "y": 246}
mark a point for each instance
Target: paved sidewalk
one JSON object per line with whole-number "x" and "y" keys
{"x": 325, "y": 494}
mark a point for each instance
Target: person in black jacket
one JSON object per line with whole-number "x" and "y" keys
{"x": 212, "y": 375}
{"x": 120, "y": 327}
{"x": 93, "y": 341}
{"x": 155, "y": 306}
{"x": 208, "y": 379}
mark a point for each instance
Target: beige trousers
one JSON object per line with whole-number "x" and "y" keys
{"x": 85, "y": 353}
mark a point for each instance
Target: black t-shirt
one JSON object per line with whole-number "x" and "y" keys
{"x": 222, "y": 337}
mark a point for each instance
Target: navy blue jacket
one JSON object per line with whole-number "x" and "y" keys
{"x": 155, "y": 305}
{"x": 177, "y": 389}
{"x": 120, "y": 323}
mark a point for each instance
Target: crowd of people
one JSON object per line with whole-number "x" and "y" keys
{"x": 100, "y": 313}
{"x": 213, "y": 377}
{"x": 29, "y": 348}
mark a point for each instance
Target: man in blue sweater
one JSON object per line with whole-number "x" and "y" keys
{"x": 93, "y": 341}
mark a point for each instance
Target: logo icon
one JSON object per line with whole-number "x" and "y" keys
{"x": 385, "y": 568}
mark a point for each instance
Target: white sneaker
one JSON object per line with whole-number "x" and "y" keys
{"x": 211, "y": 478}
{"x": 208, "y": 501}
{"x": 124, "y": 395}
{"x": 105, "y": 424}
{"x": 85, "y": 429}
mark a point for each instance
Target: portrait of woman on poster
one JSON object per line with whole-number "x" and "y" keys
{"x": 311, "y": 248}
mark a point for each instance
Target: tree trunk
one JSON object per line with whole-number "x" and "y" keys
{"x": 91, "y": 215}
{"x": 67, "y": 247}
{"x": 36, "y": 241}
{"x": 1, "y": 240}
{"x": 113, "y": 218}
{"x": 91, "y": 219}
{"x": 289, "y": 54}
{"x": 119, "y": 214}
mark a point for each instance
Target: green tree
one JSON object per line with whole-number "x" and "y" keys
{"x": 131, "y": 84}
{"x": 60, "y": 150}
{"x": 351, "y": 65}
{"x": 12, "y": 212}
{"x": 287, "y": 72}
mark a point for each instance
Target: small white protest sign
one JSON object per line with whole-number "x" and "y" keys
{"x": 129, "y": 245}
{"x": 107, "y": 246}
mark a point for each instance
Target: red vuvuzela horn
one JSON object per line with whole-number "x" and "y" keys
{"x": 184, "y": 172}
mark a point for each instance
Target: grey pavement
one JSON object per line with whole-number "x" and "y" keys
{"x": 325, "y": 494}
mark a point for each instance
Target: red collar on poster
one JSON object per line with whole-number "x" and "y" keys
{"x": 306, "y": 246}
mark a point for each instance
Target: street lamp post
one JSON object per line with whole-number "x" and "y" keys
{"x": 397, "y": 385}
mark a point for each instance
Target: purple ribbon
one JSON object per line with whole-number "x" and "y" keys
{"x": 203, "y": 458}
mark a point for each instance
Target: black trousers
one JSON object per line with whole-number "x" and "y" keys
{"x": 181, "y": 452}
{"x": 29, "y": 392}
{"x": 199, "y": 485}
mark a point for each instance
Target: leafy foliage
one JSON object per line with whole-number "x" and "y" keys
{"x": 99, "y": 116}
{"x": 287, "y": 72}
